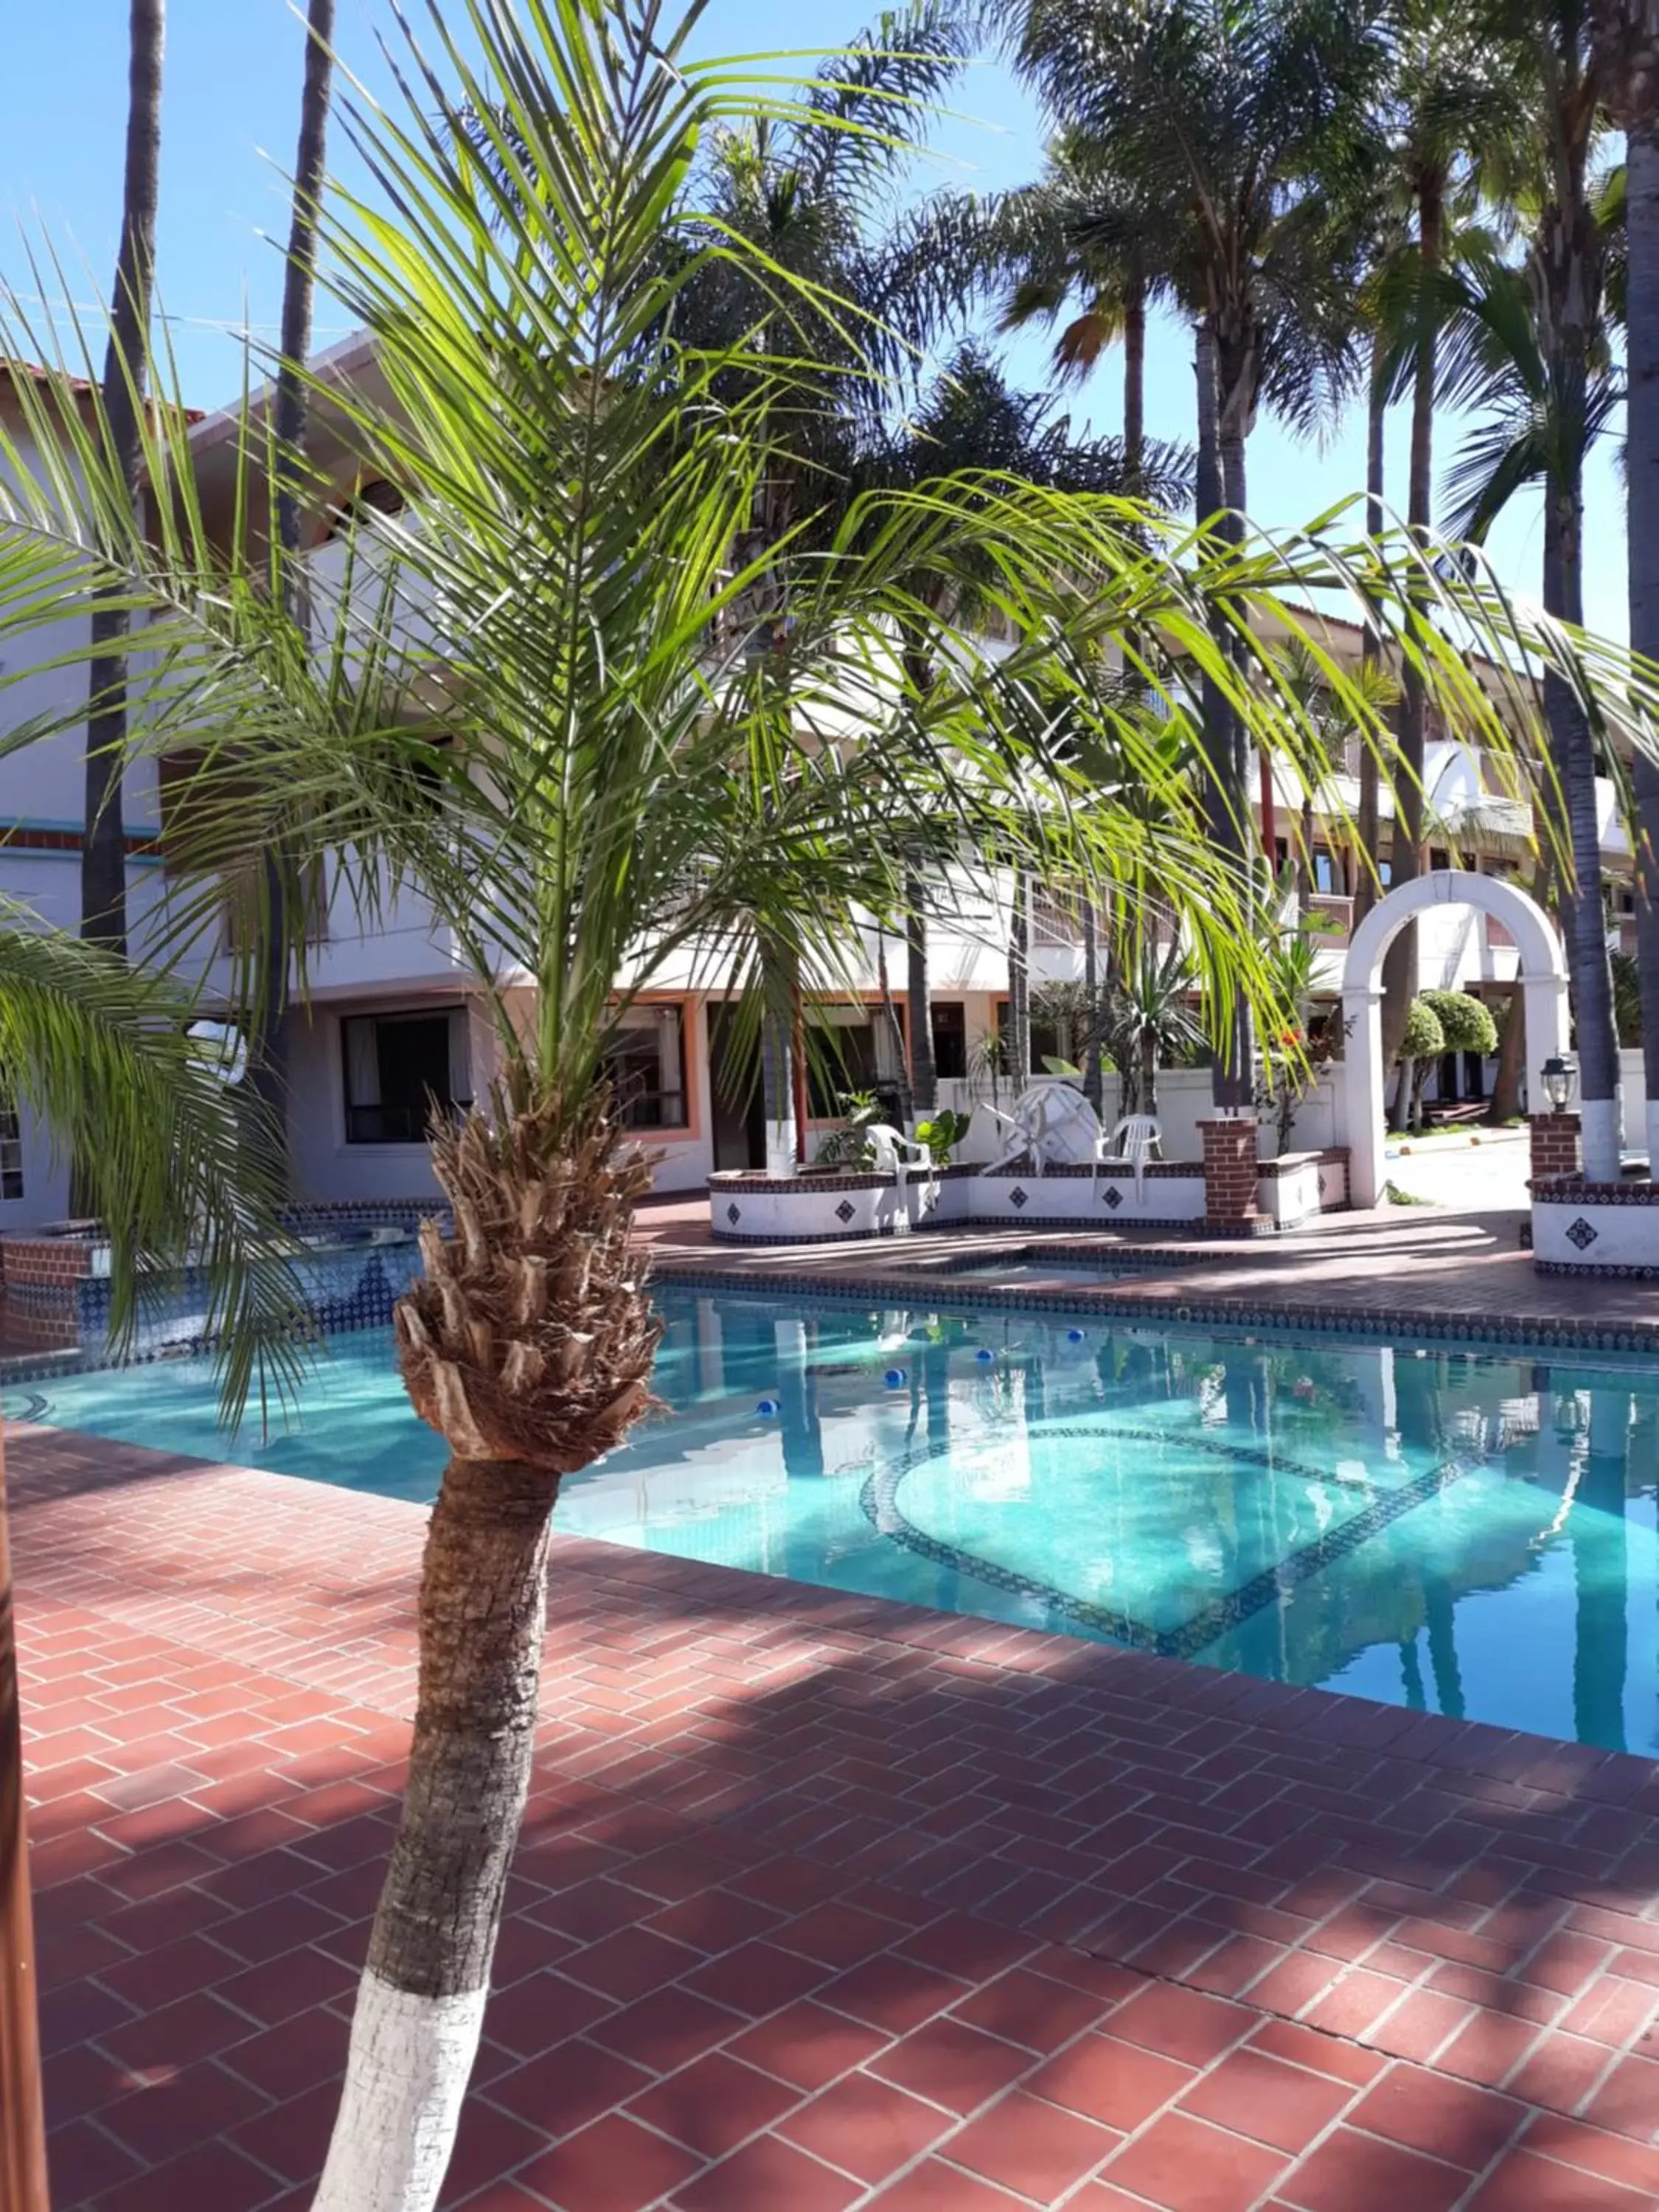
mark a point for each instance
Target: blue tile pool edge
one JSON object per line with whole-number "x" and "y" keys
{"x": 1525, "y": 1334}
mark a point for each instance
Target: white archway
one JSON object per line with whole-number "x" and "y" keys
{"x": 1543, "y": 980}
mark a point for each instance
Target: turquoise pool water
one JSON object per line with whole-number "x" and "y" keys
{"x": 1455, "y": 1532}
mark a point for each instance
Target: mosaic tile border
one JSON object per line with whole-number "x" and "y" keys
{"x": 878, "y": 1497}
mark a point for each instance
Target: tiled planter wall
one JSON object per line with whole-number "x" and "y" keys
{"x": 1581, "y": 1228}
{"x": 749, "y": 1209}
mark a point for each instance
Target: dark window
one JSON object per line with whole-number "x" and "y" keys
{"x": 1046, "y": 1043}
{"x": 646, "y": 1063}
{"x": 1439, "y": 857}
{"x": 841, "y": 1056}
{"x": 11, "y": 1149}
{"x": 950, "y": 1037}
{"x": 399, "y": 1070}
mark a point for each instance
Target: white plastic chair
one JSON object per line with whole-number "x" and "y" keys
{"x": 1131, "y": 1143}
{"x": 894, "y": 1154}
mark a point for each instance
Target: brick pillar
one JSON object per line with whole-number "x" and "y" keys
{"x": 1229, "y": 1173}
{"x": 1554, "y": 1145}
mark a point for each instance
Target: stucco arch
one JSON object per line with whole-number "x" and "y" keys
{"x": 1543, "y": 980}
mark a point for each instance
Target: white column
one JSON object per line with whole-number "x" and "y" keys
{"x": 1362, "y": 1019}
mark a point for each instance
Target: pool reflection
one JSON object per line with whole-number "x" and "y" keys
{"x": 1502, "y": 1567}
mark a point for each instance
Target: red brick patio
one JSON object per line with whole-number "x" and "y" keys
{"x": 822, "y": 1904}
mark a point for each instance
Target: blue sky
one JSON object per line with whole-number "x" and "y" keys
{"x": 231, "y": 98}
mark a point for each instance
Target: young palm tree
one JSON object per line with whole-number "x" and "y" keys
{"x": 540, "y": 704}
{"x": 1627, "y": 39}
{"x": 103, "y": 841}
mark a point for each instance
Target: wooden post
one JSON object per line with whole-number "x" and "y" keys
{"x": 22, "y": 2113}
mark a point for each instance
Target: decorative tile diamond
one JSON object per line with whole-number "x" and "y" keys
{"x": 1113, "y": 1196}
{"x": 1017, "y": 1196}
{"x": 1581, "y": 1234}
{"x": 734, "y": 1213}
{"x": 846, "y": 1210}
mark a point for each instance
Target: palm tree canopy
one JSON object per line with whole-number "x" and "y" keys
{"x": 532, "y": 697}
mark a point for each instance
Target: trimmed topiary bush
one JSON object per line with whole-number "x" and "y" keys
{"x": 1465, "y": 1023}
{"x": 1424, "y": 1038}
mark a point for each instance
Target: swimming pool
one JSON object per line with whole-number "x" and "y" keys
{"x": 1459, "y": 1532}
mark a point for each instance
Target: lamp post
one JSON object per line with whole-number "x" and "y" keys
{"x": 1559, "y": 1077}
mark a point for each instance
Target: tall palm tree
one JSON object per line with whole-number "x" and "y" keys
{"x": 619, "y": 789}
{"x": 812, "y": 187}
{"x": 267, "y": 1072}
{"x": 1078, "y": 243}
{"x": 1239, "y": 117}
{"x": 1547, "y": 395}
{"x": 1450, "y": 109}
{"x": 104, "y": 840}
{"x": 1627, "y": 38}
{"x": 972, "y": 423}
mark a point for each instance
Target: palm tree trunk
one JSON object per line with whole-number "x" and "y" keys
{"x": 267, "y": 1065}
{"x": 421, "y": 2002}
{"x": 1134, "y": 380}
{"x": 1642, "y": 467}
{"x": 1224, "y": 782}
{"x": 1369, "y": 823}
{"x": 1586, "y": 917}
{"x": 895, "y": 1032}
{"x": 1400, "y": 964}
{"x": 924, "y": 1072}
{"x": 778, "y": 1086}
{"x": 125, "y": 379}
{"x": 1020, "y": 984}
{"x": 104, "y": 843}
{"x": 528, "y": 1345}
{"x": 23, "y": 2136}
{"x": 1094, "y": 1088}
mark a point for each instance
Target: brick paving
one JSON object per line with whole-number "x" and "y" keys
{"x": 822, "y": 1902}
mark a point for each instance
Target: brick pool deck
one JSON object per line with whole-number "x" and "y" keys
{"x": 821, "y": 1903}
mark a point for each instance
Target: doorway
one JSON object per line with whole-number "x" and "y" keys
{"x": 739, "y": 1114}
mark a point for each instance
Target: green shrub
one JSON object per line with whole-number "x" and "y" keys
{"x": 1466, "y": 1025}
{"x": 1423, "y": 1039}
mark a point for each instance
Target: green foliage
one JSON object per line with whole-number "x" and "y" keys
{"x": 942, "y": 1134}
{"x": 1424, "y": 1038}
{"x": 1466, "y": 1025}
{"x": 848, "y": 1146}
{"x": 182, "y": 1170}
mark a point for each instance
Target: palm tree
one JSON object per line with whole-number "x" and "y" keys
{"x": 104, "y": 1055}
{"x": 1077, "y": 240}
{"x": 970, "y": 423}
{"x": 1627, "y": 42}
{"x": 623, "y": 783}
{"x": 1241, "y": 116}
{"x": 1449, "y": 111}
{"x": 103, "y": 841}
{"x": 1549, "y": 394}
{"x": 266, "y": 1062}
